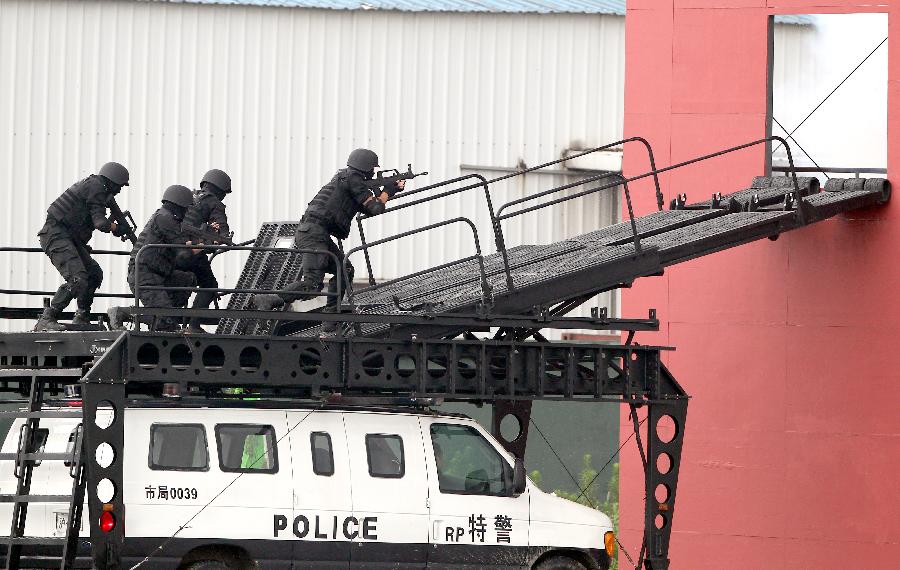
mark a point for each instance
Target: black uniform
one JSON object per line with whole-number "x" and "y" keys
{"x": 208, "y": 208}
{"x": 71, "y": 221}
{"x": 330, "y": 213}
{"x": 162, "y": 266}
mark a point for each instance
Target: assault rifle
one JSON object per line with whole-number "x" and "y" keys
{"x": 387, "y": 178}
{"x": 206, "y": 235}
{"x": 124, "y": 222}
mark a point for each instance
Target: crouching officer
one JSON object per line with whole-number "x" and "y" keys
{"x": 71, "y": 221}
{"x": 208, "y": 208}
{"x": 328, "y": 215}
{"x": 164, "y": 266}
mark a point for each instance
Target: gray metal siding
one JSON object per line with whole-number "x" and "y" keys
{"x": 279, "y": 97}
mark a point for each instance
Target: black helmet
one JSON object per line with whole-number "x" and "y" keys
{"x": 219, "y": 179}
{"x": 115, "y": 173}
{"x": 363, "y": 159}
{"x": 179, "y": 195}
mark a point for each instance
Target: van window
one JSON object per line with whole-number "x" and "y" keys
{"x": 385, "y": 455}
{"x": 40, "y": 442}
{"x": 247, "y": 448}
{"x": 322, "y": 454}
{"x": 178, "y": 447}
{"x": 466, "y": 463}
{"x": 70, "y": 445}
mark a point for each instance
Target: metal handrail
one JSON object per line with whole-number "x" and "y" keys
{"x": 39, "y": 250}
{"x": 138, "y": 287}
{"x": 655, "y": 174}
{"x": 832, "y": 169}
{"x": 499, "y": 240}
{"x": 485, "y": 286}
{"x": 36, "y": 293}
{"x": 622, "y": 142}
{"x": 495, "y": 221}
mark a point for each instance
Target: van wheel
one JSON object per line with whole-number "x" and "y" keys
{"x": 209, "y": 565}
{"x": 559, "y": 563}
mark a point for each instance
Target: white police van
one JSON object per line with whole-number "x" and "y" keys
{"x": 360, "y": 488}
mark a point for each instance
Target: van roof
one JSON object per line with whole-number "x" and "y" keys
{"x": 189, "y": 404}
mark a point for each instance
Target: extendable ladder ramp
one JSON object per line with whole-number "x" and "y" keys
{"x": 526, "y": 278}
{"x": 41, "y": 551}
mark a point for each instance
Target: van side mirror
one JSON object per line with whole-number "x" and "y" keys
{"x": 519, "y": 485}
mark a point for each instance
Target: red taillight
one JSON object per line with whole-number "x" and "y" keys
{"x": 107, "y": 521}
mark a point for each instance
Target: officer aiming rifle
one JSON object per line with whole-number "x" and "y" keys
{"x": 353, "y": 190}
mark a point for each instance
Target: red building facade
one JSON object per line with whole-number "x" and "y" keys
{"x": 790, "y": 348}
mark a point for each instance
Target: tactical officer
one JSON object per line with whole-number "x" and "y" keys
{"x": 164, "y": 266}
{"x": 207, "y": 209}
{"x": 71, "y": 221}
{"x": 330, "y": 214}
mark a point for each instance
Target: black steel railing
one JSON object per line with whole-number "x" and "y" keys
{"x": 625, "y": 181}
{"x": 219, "y": 290}
{"x": 38, "y": 293}
{"x": 499, "y": 216}
{"x": 483, "y": 183}
{"x": 479, "y": 257}
{"x": 855, "y": 171}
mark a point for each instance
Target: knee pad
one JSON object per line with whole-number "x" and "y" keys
{"x": 95, "y": 277}
{"x": 312, "y": 286}
{"x": 79, "y": 284}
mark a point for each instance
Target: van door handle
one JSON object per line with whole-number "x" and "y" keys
{"x": 436, "y": 530}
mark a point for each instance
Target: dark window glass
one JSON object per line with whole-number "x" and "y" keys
{"x": 467, "y": 463}
{"x": 322, "y": 454}
{"x": 247, "y": 448}
{"x": 385, "y": 455}
{"x": 40, "y": 442}
{"x": 70, "y": 445}
{"x": 178, "y": 447}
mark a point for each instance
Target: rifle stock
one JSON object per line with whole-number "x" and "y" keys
{"x": 124, "y": 221}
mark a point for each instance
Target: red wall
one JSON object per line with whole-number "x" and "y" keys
{"x": 789, "y": 348}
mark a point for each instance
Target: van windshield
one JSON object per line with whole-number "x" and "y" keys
{"x": 467, "y": 463}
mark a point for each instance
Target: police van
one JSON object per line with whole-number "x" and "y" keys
{"x": 311, "y": 487}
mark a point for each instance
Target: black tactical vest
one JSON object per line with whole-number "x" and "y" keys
{"x": 334, "y": 207}
{"x": 156, "y": 260}
{"x": 71, "y": 207}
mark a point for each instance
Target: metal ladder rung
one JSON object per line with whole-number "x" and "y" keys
{"x": 36, "y": 456}
{"x": 41, "y": 372}
{"x": 48, "y": 414}
{"x": 54, "y": 540}
{"x": 35, "y": 498}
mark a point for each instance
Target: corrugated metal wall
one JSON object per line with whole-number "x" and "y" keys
{"x": 278, "y": 97}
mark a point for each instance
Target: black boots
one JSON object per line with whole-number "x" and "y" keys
{"x": 267, "y": 302}
{"x": 48, "y": 321}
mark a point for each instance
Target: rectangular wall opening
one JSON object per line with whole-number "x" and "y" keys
{"x": 829, "y": 94}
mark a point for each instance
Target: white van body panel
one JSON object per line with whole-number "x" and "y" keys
{"x": 349, "y": 518}
{"x": 158, "y": 502}
{"x": 555, "y": 520}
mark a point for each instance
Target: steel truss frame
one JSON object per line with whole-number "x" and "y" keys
{"x": 511, "y": 374}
